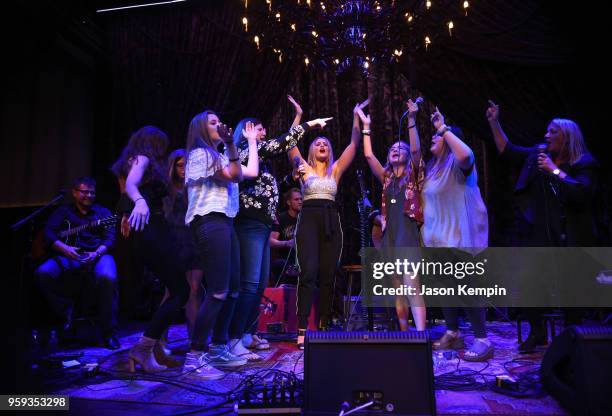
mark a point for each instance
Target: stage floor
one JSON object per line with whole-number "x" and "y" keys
{"x": 116, "y": 391}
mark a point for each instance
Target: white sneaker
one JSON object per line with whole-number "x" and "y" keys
{"x": 237, "y": 349}
{"x": 220, "y": 356}
{"x": 196, "y": 365}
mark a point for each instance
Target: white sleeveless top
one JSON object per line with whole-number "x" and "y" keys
{"x": 316, "y": 187}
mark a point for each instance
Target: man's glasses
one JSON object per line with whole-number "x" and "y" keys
{"x": 86, "y": 191}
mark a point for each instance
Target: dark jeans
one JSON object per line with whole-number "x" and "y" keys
{"x": 319, "y": 247}
{"x": 475, "y": 315}
{"x": 254, "y": 274}
{"x": 158, "y": 251}
{"x": 53, "y": 279}
{"x": 219, "y": 251}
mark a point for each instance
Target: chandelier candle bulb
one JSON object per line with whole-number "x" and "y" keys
{"x": 450, "y": 28}
{"x": 256, "y": 40}
{"x": 245, "y": 22}
{"x": 428, "y": 4}
{"x": 466, "y": 4}
{"x": 427, "y": 42}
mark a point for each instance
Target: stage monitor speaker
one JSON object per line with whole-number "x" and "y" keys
{"x": 577, "y": 367}
{"x": 392, "y": 369}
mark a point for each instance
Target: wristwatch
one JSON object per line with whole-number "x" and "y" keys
{"x": 556, "y": 172}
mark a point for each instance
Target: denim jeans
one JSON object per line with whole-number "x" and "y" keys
{"x": 254, "y": 274}
{"x": 218, "y": 248}
{"x": 57, "y": 288}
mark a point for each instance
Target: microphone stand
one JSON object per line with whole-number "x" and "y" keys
{"x": 27, "y": 256}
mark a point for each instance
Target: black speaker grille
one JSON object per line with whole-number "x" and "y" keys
{"x": 411, "y": 337}
{"x": 593, "y": 332}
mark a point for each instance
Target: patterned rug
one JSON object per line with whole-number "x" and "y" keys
{"x": 171, "y": 387}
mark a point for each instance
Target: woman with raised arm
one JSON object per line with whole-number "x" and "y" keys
{"x": 401, "y": 212}
{"x": 455, "y": 216}
{"x": 212, "y": 190}
{"x": 143, "y": 166}
{"x": 258, "y": 203}
{"x": 554, "y": 198}
{"x": 319, "y": 234}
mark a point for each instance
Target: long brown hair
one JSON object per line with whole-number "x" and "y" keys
{"x": 148, "y": 141}
{"x": 198, "y": 138}
{"x": 388, "y": 172}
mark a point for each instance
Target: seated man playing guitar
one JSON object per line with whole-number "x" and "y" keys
{"x": 80, "y": 236}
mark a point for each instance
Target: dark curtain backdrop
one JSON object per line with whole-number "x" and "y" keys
{"x": 169, "y": 64}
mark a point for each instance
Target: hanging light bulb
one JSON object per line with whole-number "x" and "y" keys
{"x": 427, "y": 42}
{"x": 306, "y": 61}
{"x": 256, "y": 40}
{"x": 450, "y": 28}
{"x": 308, "y": 3}
{"x": 322, "y": 6}
{"x": 315, "y": 34}
{"x": 428, "y": 4}
{"x": 245, "y": 22}
{"x": 408, "y": 17}
{"x": 337, "y": 61}
{"x": 277, "y": 16}
{"x": 466, "y": 4}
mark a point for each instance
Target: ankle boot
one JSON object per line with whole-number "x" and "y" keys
{"x": 162, "y": 357}
{"x": 142, "y": 353}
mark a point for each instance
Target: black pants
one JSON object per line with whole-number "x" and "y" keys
{"x": 219, "y": 250}
{"x": 319, "y": 247}
{"x": 158, "y": 251}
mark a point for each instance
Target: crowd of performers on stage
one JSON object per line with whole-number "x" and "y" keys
{"x": 209, "y": 212}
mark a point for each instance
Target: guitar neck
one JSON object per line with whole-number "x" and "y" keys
{"x": 80, "y": 228}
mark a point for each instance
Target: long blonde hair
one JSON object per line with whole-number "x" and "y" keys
{"x": 312, "y": 159}
{"x": 573, "y": 139}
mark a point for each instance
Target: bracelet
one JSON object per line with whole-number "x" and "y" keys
{"x": 443, "y": 130}
{"x": 138, "y": 199}
{"x": 412, "y": 126}
{"x": 366, "y": 131}
{"x": 236, "y": 159}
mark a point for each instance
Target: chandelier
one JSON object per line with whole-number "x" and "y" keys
{"x": 347, "y": 34}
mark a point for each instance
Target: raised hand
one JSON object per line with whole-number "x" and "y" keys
{"x": 319, "y": 122}
{"x": 249, "y": 131}
{"x": 437, "y": 119}
{"x": 298, "y": 108}
{"x": 492, "y": 112}
{"x": 413, "y": 109}
{"x": 226, "y": 134}
{"x": 365, "y": 119}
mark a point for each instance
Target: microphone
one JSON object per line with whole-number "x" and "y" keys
{"x": 418, "y": 100}
{"x": 542, "y": 147}
{"x": 296, "y": 164}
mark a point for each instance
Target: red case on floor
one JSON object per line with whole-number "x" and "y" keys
{"x": 279, "y": 306}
